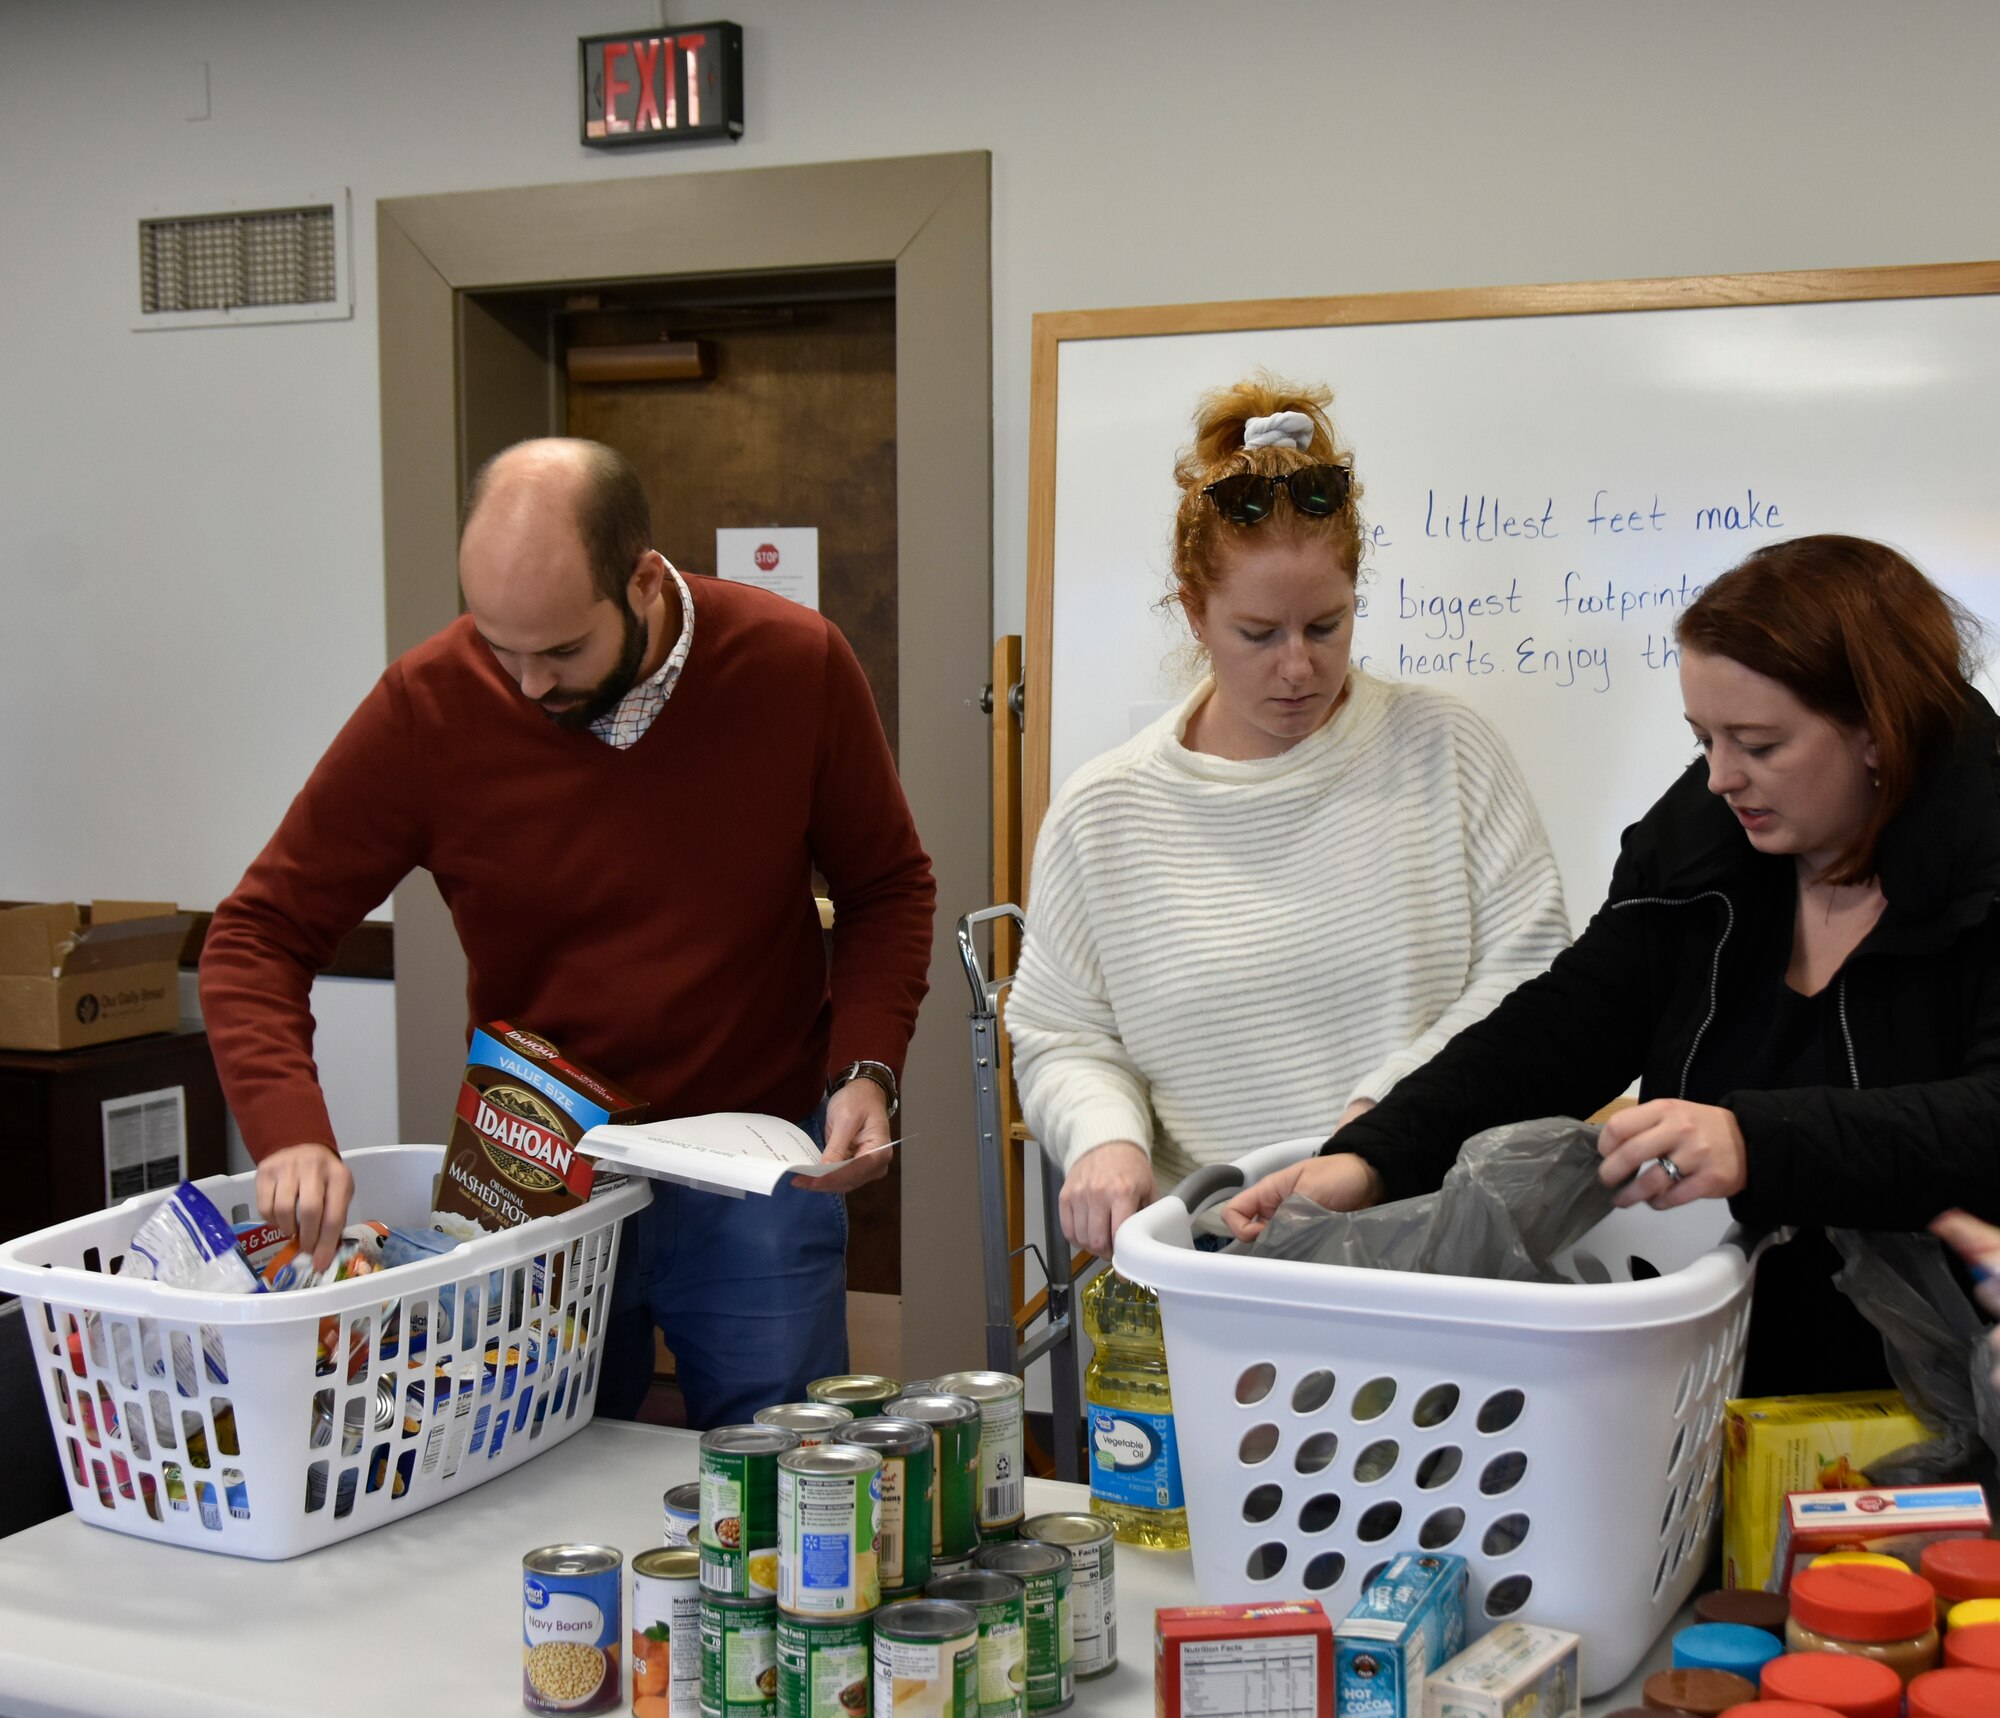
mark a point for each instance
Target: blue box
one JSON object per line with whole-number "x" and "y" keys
{"x": 1410, "y": 1620}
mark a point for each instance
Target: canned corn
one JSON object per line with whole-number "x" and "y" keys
{"x": 1000, "y": 1397}
{"x": 862, "y": 1394}
{"x": 739, "y": 1508}
{"x": 954, "y": 1428}
{"x": 903, "y": 1526}
{"x": 827, "y": 1503}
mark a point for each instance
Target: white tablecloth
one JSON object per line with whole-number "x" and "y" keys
{"x": 422, "y": 1616}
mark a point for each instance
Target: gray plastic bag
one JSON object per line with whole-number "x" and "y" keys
{"x": 1515, "y": 1198}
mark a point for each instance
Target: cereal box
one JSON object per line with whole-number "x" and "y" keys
{"x": 1408, "y": 1621}
{"x": 513, "y": 1154}
{"x": 1776, "y": 1445}
{"x": 1517, "y": 1671}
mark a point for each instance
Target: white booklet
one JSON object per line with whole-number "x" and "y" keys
{"x": 731, "y": 1152}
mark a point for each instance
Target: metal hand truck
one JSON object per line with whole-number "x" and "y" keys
{"x": 1007, "y": 1349}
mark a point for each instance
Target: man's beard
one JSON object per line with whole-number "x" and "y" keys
{"x": 604, "y": 697}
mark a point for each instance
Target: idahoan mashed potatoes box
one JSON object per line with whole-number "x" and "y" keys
{"x": 513, "y": 1151}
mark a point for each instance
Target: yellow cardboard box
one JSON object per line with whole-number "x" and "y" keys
{"x": 1775, "y": 1445}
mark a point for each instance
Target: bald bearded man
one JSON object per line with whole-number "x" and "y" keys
{"x": 621, "y": 781}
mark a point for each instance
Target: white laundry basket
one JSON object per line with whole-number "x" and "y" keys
{"x": 270, "y": 1424}
{"x": 1564, "y": 1438}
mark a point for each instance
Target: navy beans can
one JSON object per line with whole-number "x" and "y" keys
{"x": 571, "y": 1628}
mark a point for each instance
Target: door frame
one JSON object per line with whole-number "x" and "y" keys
{"x": 458, "y": 383}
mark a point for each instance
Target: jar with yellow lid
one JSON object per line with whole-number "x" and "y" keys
{"x": 1858, "y": 1560}
{"x": 1970, "y": 1613}
{"x": 1889, "y": 1615}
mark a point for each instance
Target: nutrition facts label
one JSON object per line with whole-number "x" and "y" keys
{"x": 1277, "y": 1677}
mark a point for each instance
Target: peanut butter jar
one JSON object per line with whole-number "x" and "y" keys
{"x": 1888, "y": 1615}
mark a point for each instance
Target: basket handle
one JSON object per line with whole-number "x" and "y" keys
{"x": 1211, "y": 1179}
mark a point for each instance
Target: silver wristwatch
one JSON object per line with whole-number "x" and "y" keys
{"x": 880, "y": 1072}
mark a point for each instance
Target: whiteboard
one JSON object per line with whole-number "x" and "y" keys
{"x": 1543, "y": 492}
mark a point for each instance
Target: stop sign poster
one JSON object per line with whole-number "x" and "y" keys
{"x": 781, "y": 558}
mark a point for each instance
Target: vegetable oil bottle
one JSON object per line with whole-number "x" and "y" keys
{"x": 1135, "y": 1463}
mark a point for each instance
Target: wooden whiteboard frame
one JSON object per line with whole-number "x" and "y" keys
{"x": 1458, "y": 304}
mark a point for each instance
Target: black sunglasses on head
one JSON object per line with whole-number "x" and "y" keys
{"x": 1248, "y": 497}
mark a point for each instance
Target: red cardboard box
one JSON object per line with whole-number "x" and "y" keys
{"x": 1274, "y": 1659}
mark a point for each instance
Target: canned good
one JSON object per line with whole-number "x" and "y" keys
{"x": 739, "y": 1656}
{"x": 739, "y": 1508}
{"x": 681, "y": 1510}
{"x": 1093, "y": 1587}
{"x": 1000, "y": 1602}
{"x": 1045, "y": 1571}
{"x": 926, "y": 1660}
{"x": 954, "y": 1426}
{"x": 1000, "y": 1398}
{"x": 815, "y": 1422}
{"x": 823, "y": 1667}
{"x": 862, "y": 1394}
{"x": 570, "y": 1628}
{"x": 666, "y": 1632}
{"x": 902, "y": 1556}
{"x": 828, "y": 1500}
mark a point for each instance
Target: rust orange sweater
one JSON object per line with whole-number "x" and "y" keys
{"x": 650, "y": 909}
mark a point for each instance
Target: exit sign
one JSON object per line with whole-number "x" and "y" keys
{"x": 662, "y": 86}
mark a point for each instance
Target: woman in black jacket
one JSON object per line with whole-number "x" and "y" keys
{"x": 1799, "y": 958}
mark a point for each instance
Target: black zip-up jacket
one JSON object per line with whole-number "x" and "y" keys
{"x": 1913, "y": 1031}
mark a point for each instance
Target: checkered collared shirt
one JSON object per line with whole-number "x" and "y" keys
{"x": 634, "y": 713}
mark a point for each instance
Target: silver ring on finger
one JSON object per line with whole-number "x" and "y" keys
{"x": 1673, "y": 1171}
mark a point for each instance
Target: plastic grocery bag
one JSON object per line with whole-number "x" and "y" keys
{"x": 1515, "y": 1198}
{"x": 1936, "y": 1345}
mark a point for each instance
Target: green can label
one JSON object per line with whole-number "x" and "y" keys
{"x": 905, "y": 1557}
{"x": 823, "y": 1669}
{"x": 739, "y": 1661}
{"x": 955, "y": 1519}
{"x": 1051, "y": 1641}
{"x": 826, "y": 1541}
{"x": 1003, "y": 1667}
{"x": 739, "y": 1522}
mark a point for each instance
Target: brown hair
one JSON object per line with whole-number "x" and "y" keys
{"x": 1200, "y": 531}
{"x": 1858, "y": 635}
{"x": 612, "y": 514}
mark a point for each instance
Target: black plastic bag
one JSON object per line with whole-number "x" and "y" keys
{"x": 1938, "y": 1351}
{"x": 1515, "y": 1198}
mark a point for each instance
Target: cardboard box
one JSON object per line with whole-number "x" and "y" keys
{"x": 1407, "y": 1622}
{"x": 521, "y": 1111}
{"x": 1892, "y": 1523}
{"x": 72, "y": 976}
{"x": 1773, "y": 1446}
{"x": 1273, "y": 1659}
{"x": 1517, "y": 1671}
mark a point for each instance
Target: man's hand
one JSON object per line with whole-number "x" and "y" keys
{"x": 1342, "y": 1182}
{"x": 857, "y": 1117}
{"x": 1701, "y": 1141}
{"x": 305, "y": 1190}
{"x": 1103, "y": 1187}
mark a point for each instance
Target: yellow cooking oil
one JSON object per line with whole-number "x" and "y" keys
{"x": 1135, "y": 1468}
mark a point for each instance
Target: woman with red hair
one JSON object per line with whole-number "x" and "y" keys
{"x": 1799, "y": 959}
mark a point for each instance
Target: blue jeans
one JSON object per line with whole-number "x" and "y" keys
{"x": 750, "y": 1293}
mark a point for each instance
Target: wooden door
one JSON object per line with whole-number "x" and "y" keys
{"x": 796, "y": 425}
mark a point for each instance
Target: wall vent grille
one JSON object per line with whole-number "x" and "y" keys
{"x": 280, "y": 263}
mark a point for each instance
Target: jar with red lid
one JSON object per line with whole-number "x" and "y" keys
{"x": 1853, "y": 1687}
{"x": 1955, "y": 1694}
{"x": 1883, "y": 1614}
{"x": 1976, "y": 1648}
{"x": 1962, "y": 1569}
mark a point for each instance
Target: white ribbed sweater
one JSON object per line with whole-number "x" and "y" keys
{"x": 1222, "y": 954}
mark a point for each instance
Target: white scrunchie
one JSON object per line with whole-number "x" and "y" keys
{"x": 1280, "y": 429}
